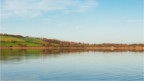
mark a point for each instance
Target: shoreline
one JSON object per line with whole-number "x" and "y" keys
{"x": 134, "y": 48}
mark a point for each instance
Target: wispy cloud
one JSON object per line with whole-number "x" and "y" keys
{"x": 135, "y": 20}
{"x": 34, "y": 8}
{"x": 127, "y": 21}
{"x": 46, "y": 19}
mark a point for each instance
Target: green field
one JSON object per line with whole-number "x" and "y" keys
{"x": 17, "y": 41}
{"x": 9, "y": 39}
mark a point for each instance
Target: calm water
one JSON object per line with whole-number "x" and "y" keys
{"x": 68, "y": 65}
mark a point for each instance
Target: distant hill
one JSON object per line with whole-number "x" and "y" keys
{"x": 26, "y": 41}
{"x": 18, "y": 40}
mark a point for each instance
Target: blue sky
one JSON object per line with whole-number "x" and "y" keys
{"x": 89, "y": 21}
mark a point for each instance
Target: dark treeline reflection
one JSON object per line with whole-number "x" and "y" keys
{"x": 19, "y": 55}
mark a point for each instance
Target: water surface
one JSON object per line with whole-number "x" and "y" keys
{"x": 68, "y": 65}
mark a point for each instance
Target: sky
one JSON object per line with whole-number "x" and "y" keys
{"x": 88, "y": 21}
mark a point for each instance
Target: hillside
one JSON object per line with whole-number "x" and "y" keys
{"x": 25, "y": 41}
{"x": 18, "y": 40}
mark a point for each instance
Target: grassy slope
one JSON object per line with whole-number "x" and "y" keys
{"x": 27, "y": 41}
{"x": 8, "y": 38}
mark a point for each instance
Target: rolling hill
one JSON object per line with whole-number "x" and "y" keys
{"x": 18, "y": 40}
{"x": 26, "y": 41}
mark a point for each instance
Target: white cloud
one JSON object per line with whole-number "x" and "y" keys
{"x": 33, "y": 8}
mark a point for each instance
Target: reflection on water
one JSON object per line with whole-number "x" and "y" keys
{"x": 71, "y": 65}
